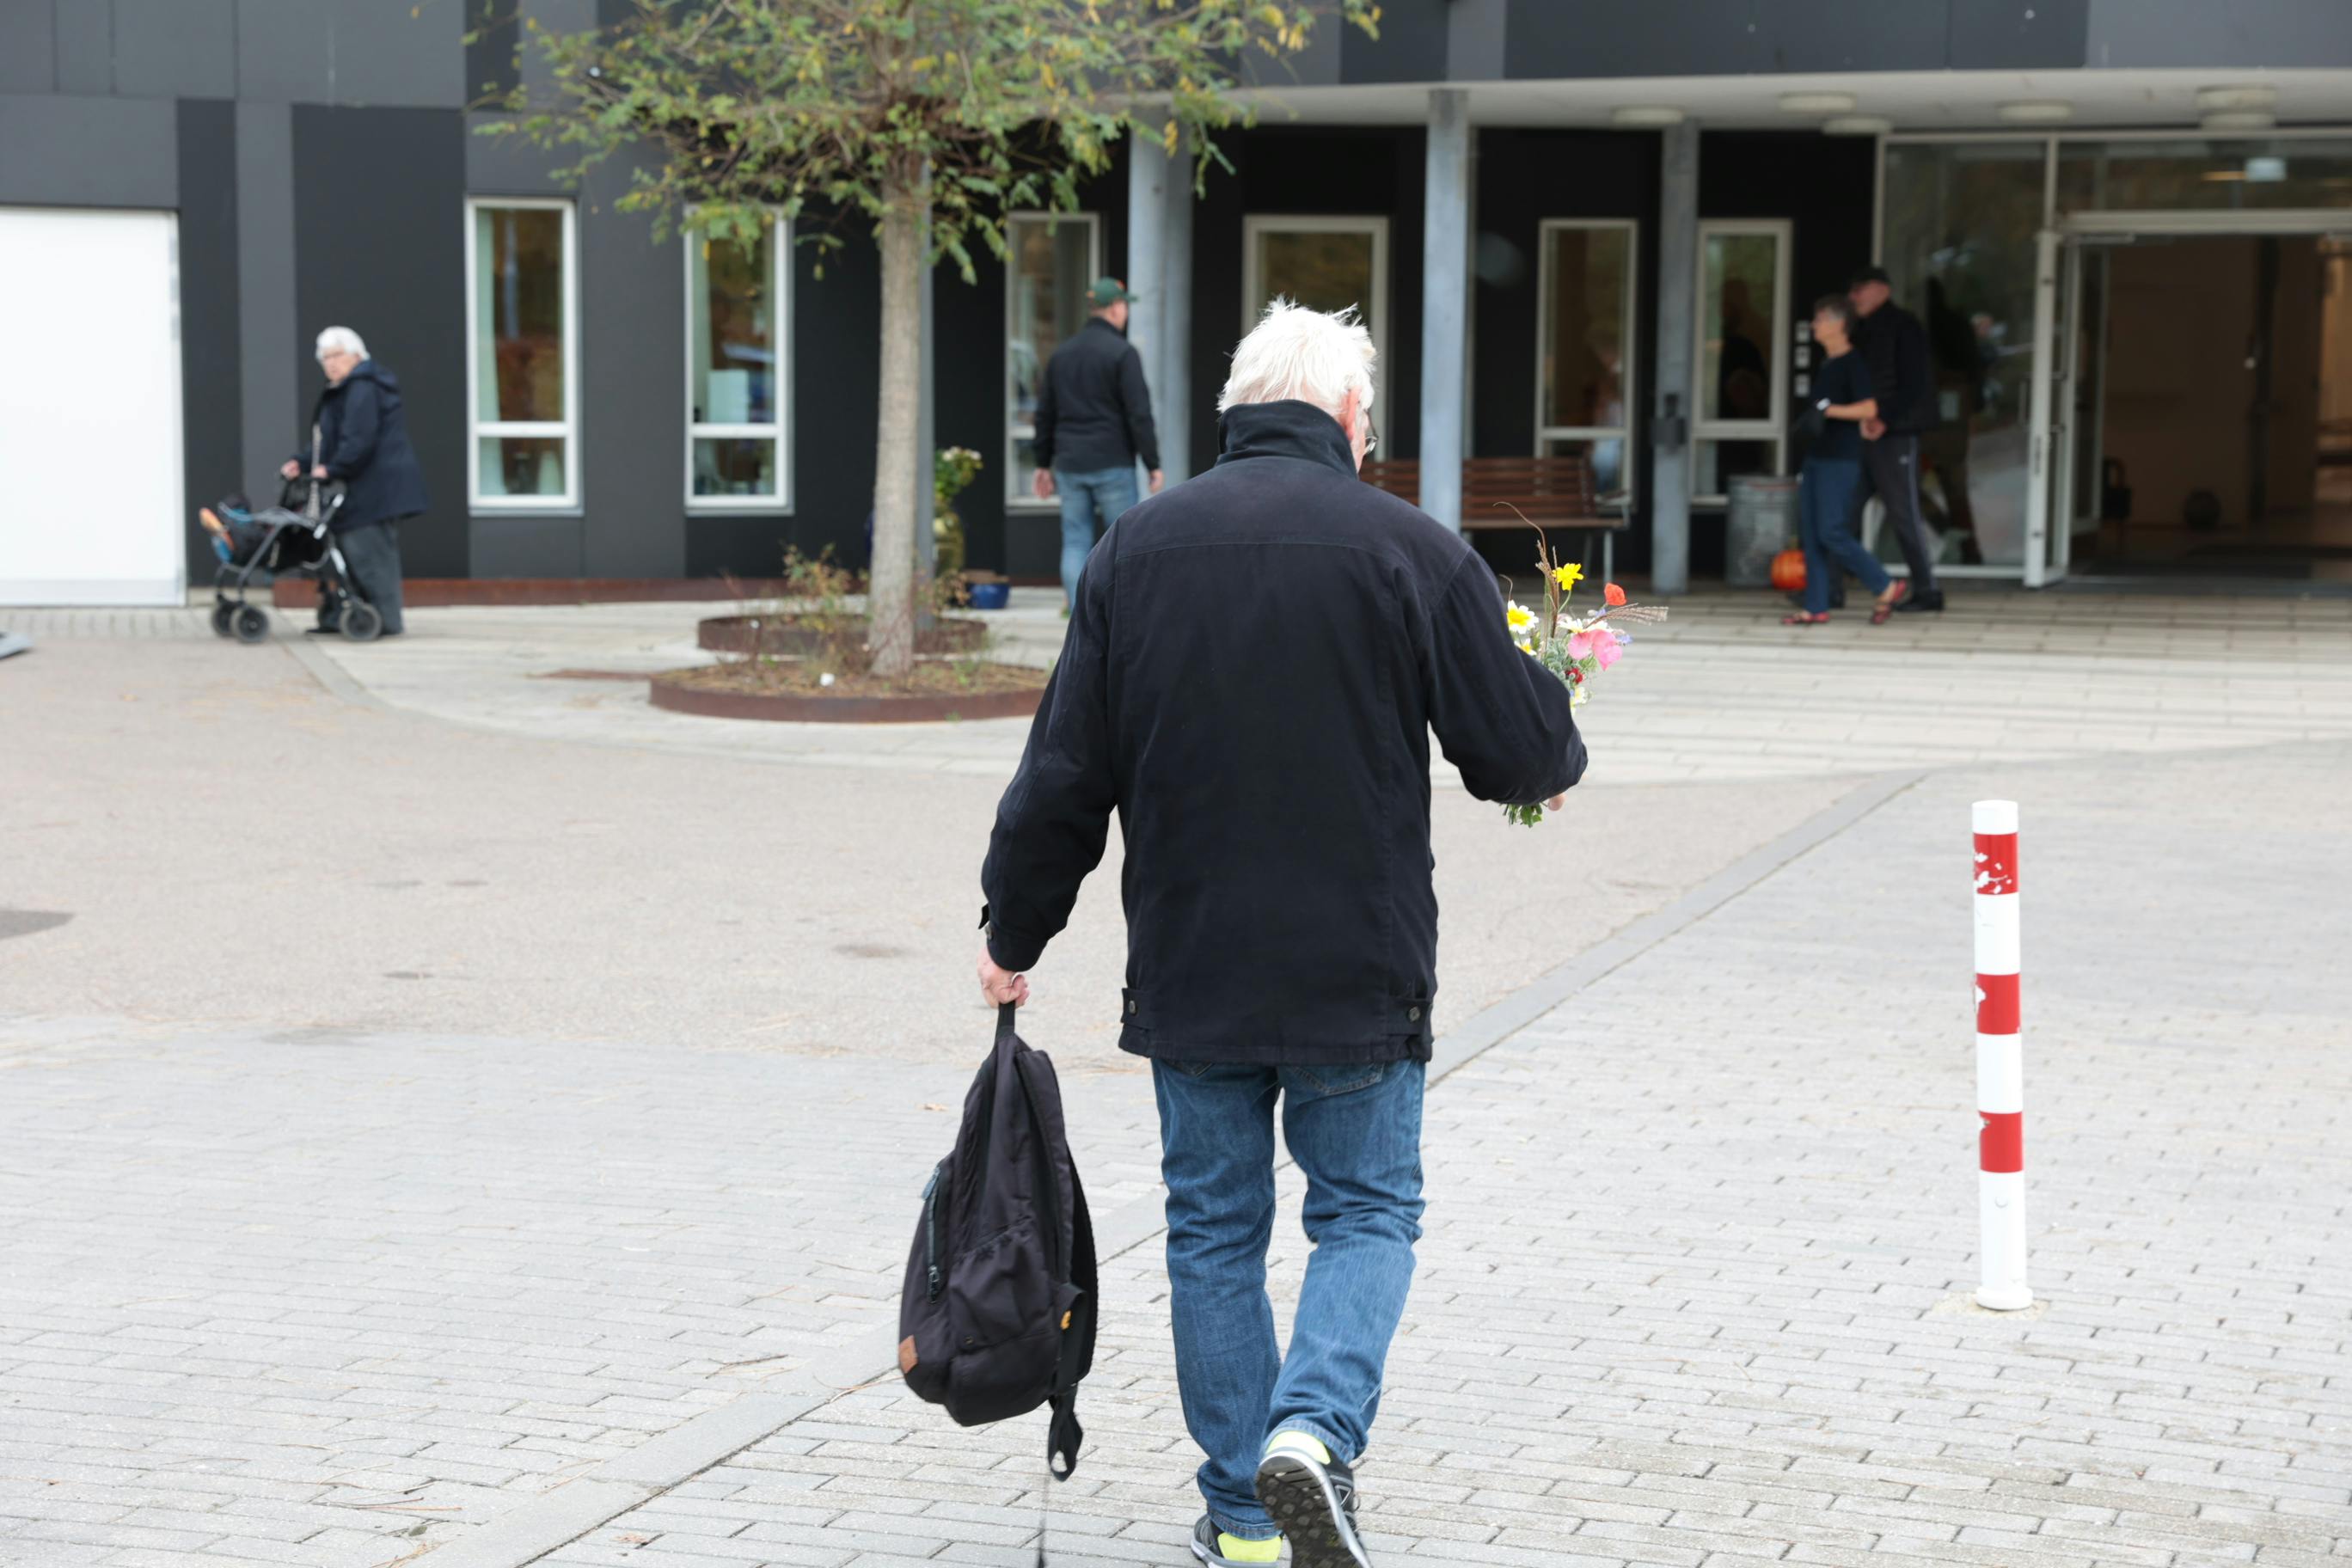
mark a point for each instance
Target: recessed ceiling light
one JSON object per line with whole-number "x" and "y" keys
{"x": 2215, "y": 99}
{"x": 1817, "y": 102}
{"x": 1857, "y": 125}
{"x": 2037, "y": 111}
{"x": 2240, "y": 119}
{"x": 1650, "y": 115}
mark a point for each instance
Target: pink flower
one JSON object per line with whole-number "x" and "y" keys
{"x": 1608, "y": 650}
{"x": 1579, "y": 646}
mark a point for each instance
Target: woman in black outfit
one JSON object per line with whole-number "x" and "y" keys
{"x": 361, "y": 438}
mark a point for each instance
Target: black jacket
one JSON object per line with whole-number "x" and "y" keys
{"x": 1092, "y": 409}
{"x": 1903, "y": 374}
{"x": 1251, "y": 672}
{"x": 364, "y": 439}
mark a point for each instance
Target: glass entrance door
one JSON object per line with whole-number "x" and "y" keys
{"x": 2085, "y": 409}
{"x": 2063, "y": 410}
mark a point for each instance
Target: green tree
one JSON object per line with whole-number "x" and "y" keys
{"x": 922, "y": 117}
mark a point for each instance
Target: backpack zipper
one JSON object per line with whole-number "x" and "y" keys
{"x": 931, "y": 1230}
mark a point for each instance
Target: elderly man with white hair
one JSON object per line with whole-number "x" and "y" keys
{"x": 359, "y": 435}
{"x": 1254, "y": 664}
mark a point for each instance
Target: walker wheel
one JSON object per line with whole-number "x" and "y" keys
{"x": 251, "y": 624}
{"x": 361, "y": 623}
{"x": 221, "y": 615}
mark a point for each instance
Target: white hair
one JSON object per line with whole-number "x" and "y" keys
{"x": 1313, "y": 357}
{"x": 341, "y": 340}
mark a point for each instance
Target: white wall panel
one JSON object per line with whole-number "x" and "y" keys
{"x": 90, "y": 408}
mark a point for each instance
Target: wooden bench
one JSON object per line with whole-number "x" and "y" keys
{"x": 1552, "y": 492}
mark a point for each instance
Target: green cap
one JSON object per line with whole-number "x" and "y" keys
{"x": 1107, "y": 291}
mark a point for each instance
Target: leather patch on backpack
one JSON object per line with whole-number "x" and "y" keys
{"x": 906, "y": 1355}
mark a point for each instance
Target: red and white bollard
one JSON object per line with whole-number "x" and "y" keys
{"x": 2001, "y": 1061}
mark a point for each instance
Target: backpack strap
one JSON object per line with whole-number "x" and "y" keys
{"x": 1076, "y": 1266}
{"x": 1064, "y": 1436}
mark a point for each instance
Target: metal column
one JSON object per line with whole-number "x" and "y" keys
{"x": 1446, "y": 306}
{"x": 1670, "y": 420}
{"x": 1171, "y": 388}
{"x": 1147, "y": 255}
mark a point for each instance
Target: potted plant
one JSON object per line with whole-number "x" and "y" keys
{"x": 953, "y": 470}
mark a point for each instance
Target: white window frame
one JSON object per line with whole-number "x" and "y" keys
{"x": 1375, "y": 225}
{"x": 568, "y": 430}
{"x": 1773, "y": 427}
{"x": 1631, "y": 369}
{"x": 780, "y": 429}
{"x": 1017, "y": 497}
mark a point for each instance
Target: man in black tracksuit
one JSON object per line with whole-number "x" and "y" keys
{"x": 1895, "y": 346}
{"x": 1255, "y": 663}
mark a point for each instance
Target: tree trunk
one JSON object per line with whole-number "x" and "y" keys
{"x": 891, "y": 593}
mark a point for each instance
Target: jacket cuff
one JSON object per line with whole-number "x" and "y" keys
{"x": 1007, "y": 950}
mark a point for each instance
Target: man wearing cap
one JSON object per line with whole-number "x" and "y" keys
{"x": 1895, "y": 346}
{"x": 1093, "y": 420}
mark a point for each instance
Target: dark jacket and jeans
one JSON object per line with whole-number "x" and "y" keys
{"x": 1093, "y": 420}
{"x": 1894, "y": 346}
{"x": 364, "y": 441}
{"x": 1827, "y": 486}
{"x": 1254, "y": 667}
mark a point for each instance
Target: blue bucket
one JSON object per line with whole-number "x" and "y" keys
{"x": 989, "y": 595}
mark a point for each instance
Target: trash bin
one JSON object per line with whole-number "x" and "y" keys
{"x": 1761, "y": 524}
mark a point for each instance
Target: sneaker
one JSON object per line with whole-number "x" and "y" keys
{"x": 1921, "y": 603}
{"x": 1312, "y": 1498}
{"x": 14, "y": 642}
{"x": 1205, "y": 1543}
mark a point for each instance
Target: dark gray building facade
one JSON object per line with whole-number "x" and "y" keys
{"x": 1651, "y": 192}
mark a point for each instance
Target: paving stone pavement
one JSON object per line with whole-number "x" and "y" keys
{"x": 1723, "y": 691}
{"x": 1723, "y": 1318}
{"x": 333, "y": 1295}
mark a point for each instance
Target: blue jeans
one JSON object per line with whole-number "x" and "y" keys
{"x": 1090, "y": 503}
{"x": 1355, "y": 1131}
{"x": 1825, "y": 519}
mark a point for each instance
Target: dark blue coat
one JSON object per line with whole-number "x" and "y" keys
{"x": 364, "y": 441}
{"x": 1256, "y": 660}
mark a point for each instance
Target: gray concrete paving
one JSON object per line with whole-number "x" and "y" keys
{"x": 414, "y": 1120}
{"x": 1696, "y": 1287}
{"x": 398, "y": 871}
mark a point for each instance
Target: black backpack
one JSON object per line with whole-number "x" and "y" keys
{"x": 998, "y": 1313}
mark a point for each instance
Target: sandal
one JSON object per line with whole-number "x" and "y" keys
{"x": 1882, "y": 608}
{"x": 1802, "y": 618}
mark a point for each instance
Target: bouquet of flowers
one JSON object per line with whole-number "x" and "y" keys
{"x": 1575, "y": 648}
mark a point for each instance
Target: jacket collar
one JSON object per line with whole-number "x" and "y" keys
{"x": 1094, "y": 322}
{"x": 363, "y": 371}
{"x": 1286, "y": 429}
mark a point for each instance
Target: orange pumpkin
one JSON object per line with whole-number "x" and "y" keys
{"x": 1788, "y": 570}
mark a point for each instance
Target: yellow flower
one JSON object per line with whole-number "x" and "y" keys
{"x": 1520, "y": 618}
{"x": 1567, "y": 577}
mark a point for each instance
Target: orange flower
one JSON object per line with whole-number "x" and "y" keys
{"x": 1612, "y": 595}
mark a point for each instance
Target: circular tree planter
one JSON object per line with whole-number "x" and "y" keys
{"x": 791, "y": 636}
{"x": 680, "y": 692}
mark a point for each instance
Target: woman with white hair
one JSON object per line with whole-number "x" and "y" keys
{"x": 1254, "y": 667}
{"x": 359, "y": 437}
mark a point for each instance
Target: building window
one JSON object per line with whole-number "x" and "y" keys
{"x": 1744, "y": 341}
{"x": 1584, "y": 335}
{"x": 1052, "y": 260}
{"x": 1323, "y": 263}
{"x": 739, "y": 371}
{"x": 523, "y": 348}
